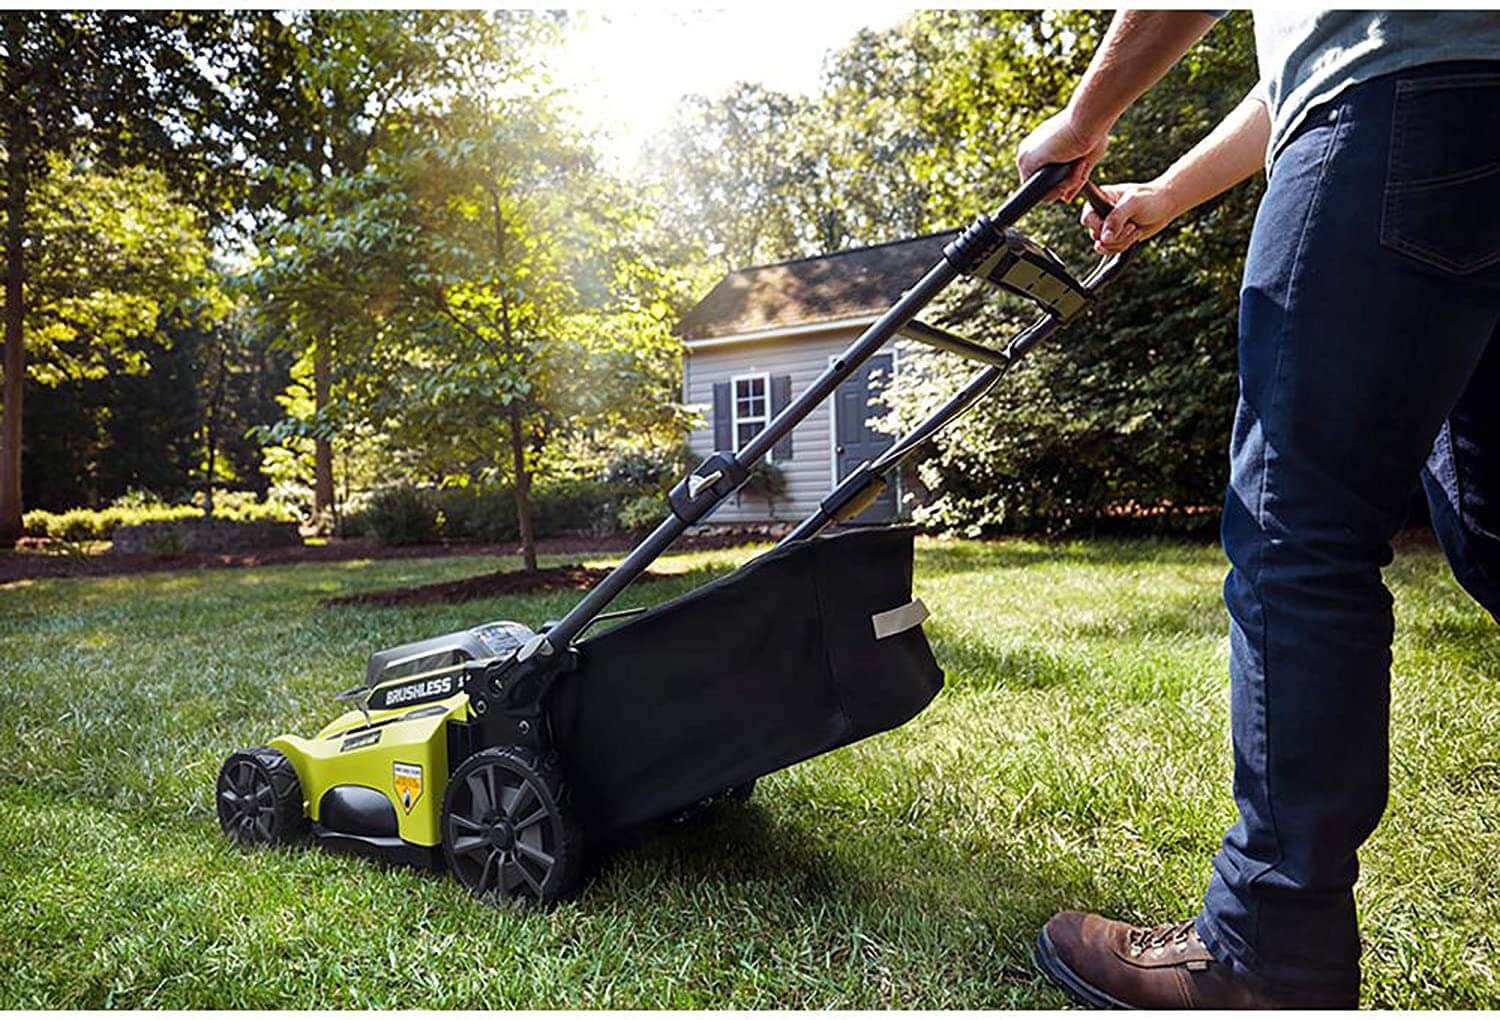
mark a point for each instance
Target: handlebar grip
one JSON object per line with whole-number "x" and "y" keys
{"x": 1097, "y": 200}
{"x": 1051, "y": 175}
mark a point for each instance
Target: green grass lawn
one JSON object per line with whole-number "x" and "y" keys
{"x": 1077, "y": 758}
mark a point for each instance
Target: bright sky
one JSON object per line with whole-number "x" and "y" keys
{"x": 626, "y": 69}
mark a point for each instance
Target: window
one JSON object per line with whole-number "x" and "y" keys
{"x": 752, "y": 407}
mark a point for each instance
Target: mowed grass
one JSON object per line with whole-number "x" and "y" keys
{"x": 1078, "y": 758}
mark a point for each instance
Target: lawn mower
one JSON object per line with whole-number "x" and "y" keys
{"x": 503, "y": 752}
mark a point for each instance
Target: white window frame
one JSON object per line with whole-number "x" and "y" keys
{"x": 734, "y": 408}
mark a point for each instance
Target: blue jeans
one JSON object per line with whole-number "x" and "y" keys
{"x": 1369, "y": 347}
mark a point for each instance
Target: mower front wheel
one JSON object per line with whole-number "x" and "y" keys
{"x": 260, "y": 799}
{"x": 510, "y": 828}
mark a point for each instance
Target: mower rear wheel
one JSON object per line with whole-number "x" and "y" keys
{"x": 510, "y": 828}
{"x": 260, "y": 799}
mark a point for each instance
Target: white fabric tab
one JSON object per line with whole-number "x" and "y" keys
{"x": 894, "y": 621}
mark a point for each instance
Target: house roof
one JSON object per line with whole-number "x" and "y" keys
{"x": 843, "y": 285}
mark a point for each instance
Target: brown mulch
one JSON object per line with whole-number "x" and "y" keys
{"x": 570, "y": 577}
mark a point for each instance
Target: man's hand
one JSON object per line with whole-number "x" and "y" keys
{"x": 1059, "y": 140}
{"x": 1232, "y": 151}
{"x": 1138, "y": 48}
{"x": 1141, "y": 211}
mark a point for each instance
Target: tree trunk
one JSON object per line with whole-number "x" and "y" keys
{"x": 322, "y": 448}
{"x": 17, "y": 153}
{"x": 211, "y": 430}
{"x": 523, "y": 487}
{"x": 517, "y": 417}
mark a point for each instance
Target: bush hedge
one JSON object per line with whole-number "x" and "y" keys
{"x": 82, "y": 525}
{"x": 408, "y": 515}
{"x": 402, "y": 515}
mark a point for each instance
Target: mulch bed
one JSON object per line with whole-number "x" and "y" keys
{"x": 570, "y": 577}
{"x": 17, "y": 566}
{"x": 33, "y": 563}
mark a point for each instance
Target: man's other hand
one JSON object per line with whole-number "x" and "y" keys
{"x": 1141, "y": 210}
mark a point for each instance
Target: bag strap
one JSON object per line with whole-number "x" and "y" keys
{"x": 902, "y": 618}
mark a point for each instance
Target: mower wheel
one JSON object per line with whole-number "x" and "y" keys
{"x": 510, "y": 828}
{"x": 260, "y": 799}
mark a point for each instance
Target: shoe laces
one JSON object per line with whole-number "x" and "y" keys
{"x": 1178, "y": 933}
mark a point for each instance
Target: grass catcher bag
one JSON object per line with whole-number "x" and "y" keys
{"x": 807, "y": 648}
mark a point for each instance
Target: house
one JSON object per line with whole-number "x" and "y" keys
{"x": 764, "y": 333}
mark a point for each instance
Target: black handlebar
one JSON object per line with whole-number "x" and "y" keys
{"x": 1052, "y": 175}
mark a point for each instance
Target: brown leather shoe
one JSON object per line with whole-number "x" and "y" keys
{"x": 1112, "y": 965}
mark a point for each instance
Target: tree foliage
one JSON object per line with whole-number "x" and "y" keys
{"x": 111, "y": 91}
{"x": 492, "y": 295}
{"x": 116, "y": 256}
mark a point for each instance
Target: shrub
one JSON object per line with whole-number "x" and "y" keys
{"x": 353, "y": 521}
{"x": 642, "y": 512}
{"x": 655, "y": 468}
{"x": 487, "y": 513}
{"x": 137, "y": 499}
{"x": 576, "y": 504}
{"x": 478, "y": 513}
{"x": 403, "y": 515}
{"x": 246, "y": 507}
{"x": 81, "y": 525}
{"x": 140, "y": 507}
{"x": 767, "y": 482}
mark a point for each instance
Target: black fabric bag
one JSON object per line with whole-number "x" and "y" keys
{"x": 804, "y": 649}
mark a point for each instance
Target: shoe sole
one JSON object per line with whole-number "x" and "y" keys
{"x": 1060, "y": 974}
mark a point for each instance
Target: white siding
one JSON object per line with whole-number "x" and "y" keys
{"x": 809, "y": 473}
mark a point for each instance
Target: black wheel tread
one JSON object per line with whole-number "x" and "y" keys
{"x": 545, "y": 772}
{"x": 290, "y": 823}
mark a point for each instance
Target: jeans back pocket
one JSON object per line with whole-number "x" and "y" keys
{"x": 1443, "y": 178}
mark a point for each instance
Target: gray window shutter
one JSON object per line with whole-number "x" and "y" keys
{"x": 723, "y": 420}
{"x": 781, "y": 395}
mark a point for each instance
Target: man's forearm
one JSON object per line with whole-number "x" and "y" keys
{"x": 1230, "y": 153}
{"x": 1138, "y": 49}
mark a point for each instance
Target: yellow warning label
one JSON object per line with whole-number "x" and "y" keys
{"x": 408, "y": 782}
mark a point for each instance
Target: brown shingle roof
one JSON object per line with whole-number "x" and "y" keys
{"x": 861, "y": 281}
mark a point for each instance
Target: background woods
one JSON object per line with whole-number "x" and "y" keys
{"x": 319, "y": 257}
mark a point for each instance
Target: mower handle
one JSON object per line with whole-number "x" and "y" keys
{"x": 1052, "y": 176}
{"x": 723, "y": 472}
{"x": 1097, "y": 200}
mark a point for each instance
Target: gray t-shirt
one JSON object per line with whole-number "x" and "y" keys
{"x": 1307, "y": 57}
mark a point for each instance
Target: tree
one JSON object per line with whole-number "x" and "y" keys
{"x": 345, "y": 82}
{"x": 118, "y": 270}
{"x": 113, "y": 89}
{"x": 115, "y": 253}
{"x": 1130, "y": 410}
{"x": 724, "y": 163}
{"x": 534, "y": 306}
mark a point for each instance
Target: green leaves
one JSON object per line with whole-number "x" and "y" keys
{"x": 114, "y": 254}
